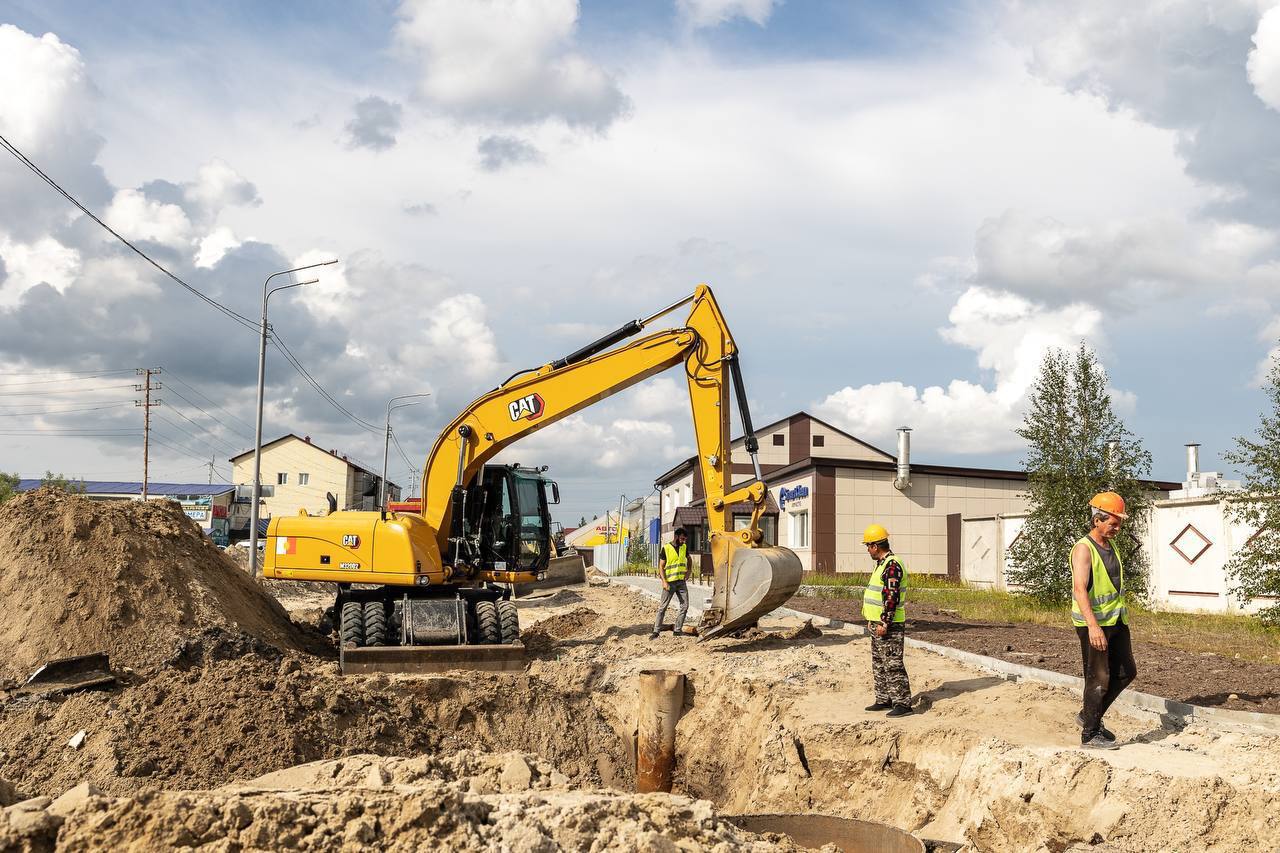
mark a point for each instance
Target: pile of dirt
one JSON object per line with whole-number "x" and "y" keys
{"x": 226, "y": 713}
{"x": 468, "y": 802}
{"x": 132, "y": 578}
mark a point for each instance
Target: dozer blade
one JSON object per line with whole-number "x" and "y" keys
{"x": 755, "y": 581}
{"x": 508, "y": 657}
{"x": 569, "y": 570}
{"x": 63, "y": 675}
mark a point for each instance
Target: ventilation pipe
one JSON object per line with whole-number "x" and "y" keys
{"x": 903, "y": 480}
{"x": 1193, "y": 462}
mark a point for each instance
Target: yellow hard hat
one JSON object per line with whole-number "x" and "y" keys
{"x": 874, "y": 533}
{"x": 1110, "y": 503}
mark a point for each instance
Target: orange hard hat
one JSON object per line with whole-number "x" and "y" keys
{"x": 1110, "y": 503}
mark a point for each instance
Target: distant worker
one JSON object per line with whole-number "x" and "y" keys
{"x": 1099, "y": 615}
{"x": 673, "y": 568}
{"x": 884, "y": 608}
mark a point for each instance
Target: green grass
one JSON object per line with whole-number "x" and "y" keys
{"x": 1233, "y": 636}
{"x": 859, "y": 579}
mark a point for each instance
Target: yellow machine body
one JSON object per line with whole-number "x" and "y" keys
{"x": 362, "y": 547}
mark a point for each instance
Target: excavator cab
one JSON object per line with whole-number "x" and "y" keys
{"x": 508, "y": 511}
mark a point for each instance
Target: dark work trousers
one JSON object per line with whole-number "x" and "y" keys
{"x": 1105, "y": 673}
{"x": 888, "y": 672}
{"x": 681, "y": 592}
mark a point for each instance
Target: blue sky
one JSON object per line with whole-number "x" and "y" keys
{"x": 900, "y": 206}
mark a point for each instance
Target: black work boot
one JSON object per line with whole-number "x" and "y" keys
{"x": 653, "y": 636}
{"x": 878, "y": 706}
{"x": 900, "y": 711}
{"x": 1106, "y": 733}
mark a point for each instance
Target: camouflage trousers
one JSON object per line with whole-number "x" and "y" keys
{"x": 887, "y": 669}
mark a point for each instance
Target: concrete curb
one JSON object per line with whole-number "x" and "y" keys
{"x": 1170, "y": 711}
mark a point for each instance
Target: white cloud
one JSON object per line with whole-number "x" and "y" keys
{"x": 1010, "y": 336}
{"x": 1269, "y": 336}
{"x": 1264, "y": 59}
{"x": 42, "y": 84}
{"x": 458, "y": 331}
{"x": 374, "y": 125}
{"x": 507, "y": 60}
{"x": 1048, "y": 259}
{"x": 137, "y": 217}
{"x": 578, "y": 446}
{"x": 28, "y": 264}
{"x": 214, "y": 245}
{"x": 217, "y": 186}
{"x": 710, "y": 13}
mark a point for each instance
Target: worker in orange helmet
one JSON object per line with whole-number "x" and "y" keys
{"x": 1098, "y": 611}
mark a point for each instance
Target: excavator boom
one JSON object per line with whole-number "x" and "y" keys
{"x": 750, "y": 579}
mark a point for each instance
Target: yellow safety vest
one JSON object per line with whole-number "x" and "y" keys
{"x": 677, "y": 565}
{"x": 873, "y": 596}
{"x": 1107, "y": 602}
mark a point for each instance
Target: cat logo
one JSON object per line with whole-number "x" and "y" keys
{"x": 529, "y": 408}
{"x": 350, "y": 540}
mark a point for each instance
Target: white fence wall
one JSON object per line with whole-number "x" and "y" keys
{"x": 1188, "y": 542}
{"x": 984, "y": 549}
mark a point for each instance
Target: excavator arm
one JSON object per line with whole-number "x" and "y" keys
{"x": 748, "y": 576}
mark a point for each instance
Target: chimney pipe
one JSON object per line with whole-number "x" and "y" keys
{"x": 903, "y": 480}
{"x": 1193, "y": 461}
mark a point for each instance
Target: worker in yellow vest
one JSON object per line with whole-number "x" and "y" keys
{"x": 673, "y": 568}
{"x": 884, "y": 608}
{"x": 1098, "y": 611}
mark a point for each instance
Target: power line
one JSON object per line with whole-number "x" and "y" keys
{"x": 65, "y": 372}
{"x": 208, "y": 399}
{"x": 94, "y": 375}
{"x": 239, "y": 318}
{"x": 63, "y": 411}
{"x": 28, "y": 405}
{"x": 202, "y": 411}
{"x": 212, "y": 438}
{"x": 275, "y": 337}
{"x": 59, "y": 393}
{"x": 400, "y": 450}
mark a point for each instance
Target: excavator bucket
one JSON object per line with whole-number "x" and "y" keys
{"x": 749, "y": 584}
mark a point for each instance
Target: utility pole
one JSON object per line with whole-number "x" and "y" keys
{"x": 211, "y": 460}
{"x": 146, "y": 403}
{"x": 621, "y": 498}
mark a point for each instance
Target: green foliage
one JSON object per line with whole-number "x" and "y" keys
{"x": 8, "y": 486}
{"x": 1068, "y": 426}
{"x": 1254, "y": 570}
{"x": 637, "y": 549}
{"x": 58, "y": 481}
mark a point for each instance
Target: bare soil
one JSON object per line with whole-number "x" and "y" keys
{"x": 238, "y": 743}
{"x": 1199, "y": 679}
{"x": 134, "y": 579}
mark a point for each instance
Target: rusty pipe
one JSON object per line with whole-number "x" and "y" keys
{"x": 661, "y": 700}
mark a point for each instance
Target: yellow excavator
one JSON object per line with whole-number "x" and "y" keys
{"x": 429, "y": 590}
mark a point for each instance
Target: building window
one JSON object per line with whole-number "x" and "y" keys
{"x": 819, "y": 440}
{"x": 303, "y": 479}
{"x": 800, "y": 529}
{"x": 768, "y": 527}
{"x": 779, "y": 439}
{"x": 282, "y": 479}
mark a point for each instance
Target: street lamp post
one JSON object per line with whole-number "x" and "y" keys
{"x": 257, "y": 433}
{"x": 386, "y": 444}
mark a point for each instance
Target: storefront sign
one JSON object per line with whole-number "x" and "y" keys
{"x": 795, "y": 494}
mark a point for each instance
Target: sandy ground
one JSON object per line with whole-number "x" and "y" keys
{"x": 237, "y": 746}
{"x": 779, "y": 725}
